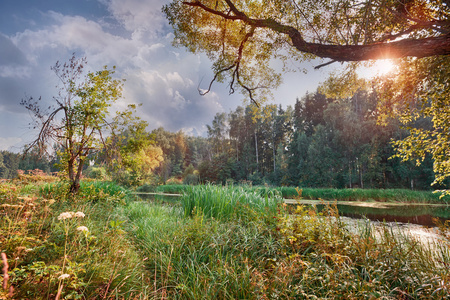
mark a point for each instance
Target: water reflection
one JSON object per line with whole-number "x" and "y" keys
{"x": 170, "y": 199}
{"x": 414, "y": 214}
{"x": 404, "y": 213}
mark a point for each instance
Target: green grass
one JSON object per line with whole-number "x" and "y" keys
{"x": 172, "y": 188}
{"x": 199, "y": 257}
{"x": 40, "y": 246}
{"x": 377, "y": 195}
{"x": 303, "y": 255}
{"x": 221, "y": 243}
{"x": 227, "y": 202}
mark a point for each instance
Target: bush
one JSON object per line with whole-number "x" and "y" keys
{"x": 191, "y": 179}
{"x": 98, "y": 173}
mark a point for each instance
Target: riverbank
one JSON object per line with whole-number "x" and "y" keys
{"x": 358, "y": 195}
{"x": 215, "y": 243}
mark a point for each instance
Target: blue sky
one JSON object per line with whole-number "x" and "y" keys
{"x": 134, "y": 36}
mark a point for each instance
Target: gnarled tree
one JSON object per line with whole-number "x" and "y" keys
{"x": 80, "y": 117}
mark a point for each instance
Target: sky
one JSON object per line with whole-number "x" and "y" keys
{"x": 132, "y": 35}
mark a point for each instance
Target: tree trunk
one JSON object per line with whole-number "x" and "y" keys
{"x": 256, "y": 148}
{"x": 74, "y": 187}
{"x": 75, "y": 177}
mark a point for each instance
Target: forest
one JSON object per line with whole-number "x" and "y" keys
{"x": 319, "y": 142}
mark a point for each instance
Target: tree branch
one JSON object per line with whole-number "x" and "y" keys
{"x": 423, "y": 47}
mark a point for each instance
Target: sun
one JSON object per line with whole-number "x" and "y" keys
{"x": 383, "y": 66}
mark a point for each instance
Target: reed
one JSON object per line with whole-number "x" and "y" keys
{"x": 378, "y": 195}
{"x": 226, "y": 202}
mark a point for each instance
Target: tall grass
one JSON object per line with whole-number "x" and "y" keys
{"x": 198, "y": 257}
{"x": 378, "y": 195}
{"x": 227, "y": 202}
{"x": 222, "y": 243}
{"x": 307, "y": 255}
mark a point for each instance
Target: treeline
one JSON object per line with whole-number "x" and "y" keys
{"x": 11, "y": 162}
{"x": 319, "y": 142}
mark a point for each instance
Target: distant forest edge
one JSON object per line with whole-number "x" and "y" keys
{"x": 320, "y": 142}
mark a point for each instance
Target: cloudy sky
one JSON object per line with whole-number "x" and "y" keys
{"x": 134, "y": 36}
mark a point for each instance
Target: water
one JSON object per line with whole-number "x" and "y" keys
{"x": 422, "y": 214}
{"x": 168, "y": 199}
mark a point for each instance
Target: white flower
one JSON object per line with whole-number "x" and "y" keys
{"x": 63, "y": 276}
{"x": 65, "y": 215}
{"x": 79, "y": 214}
{"x": 82, "y": 228}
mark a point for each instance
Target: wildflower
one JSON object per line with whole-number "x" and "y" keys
{"x": 79, "y": 214}
{"x": 65, "y": 215}
{"x": 63, "y": 276}
{"x": 83, "y": 228}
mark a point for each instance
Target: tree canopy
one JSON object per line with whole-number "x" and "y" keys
{"x": 242, "y": 37}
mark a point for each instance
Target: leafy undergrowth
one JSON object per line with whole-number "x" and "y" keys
{"x": 59, "y": 247}
{"x": 101, "y": 245}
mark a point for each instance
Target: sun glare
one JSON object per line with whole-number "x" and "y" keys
{"x": 383, "y": 66}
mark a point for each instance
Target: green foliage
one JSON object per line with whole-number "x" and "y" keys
{"x": 172, "y": 188}
{"x": 243, "y": 37}
{"x": 301, "y": 254}
{"x": 98, "y": 173}
{"x": 417, "y": 95}
{"x": 331, "y": 262}
{"x": 257, "y": 250}
{"x": 135, "y": 155}
{"x": 200, "y": 257}
{"x": 78, "y": 120}
{"x": 225, "y": 202}
{"x": 379, "y": 195}
{"x": 53, "y": 244}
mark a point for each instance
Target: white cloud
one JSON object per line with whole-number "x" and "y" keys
{"x": 15, "y": 71}
{"x": 9, "y": 142}
{"x": 139, "y": 16}
{"x": 161, "y": 77}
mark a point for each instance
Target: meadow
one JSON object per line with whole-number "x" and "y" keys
{"x": 219, "y": 243}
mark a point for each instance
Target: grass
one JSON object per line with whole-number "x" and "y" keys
{"x": 199, "y": 257}
{"x": 48, "y": 254}
{"x": 226, "y": 203}
{"x": 269, "y": 256}
{"x": 378, "y": 195}
{"x": 221, "y": 243}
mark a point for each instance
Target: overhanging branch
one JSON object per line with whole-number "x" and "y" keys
{"x": 421, "y": 47}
